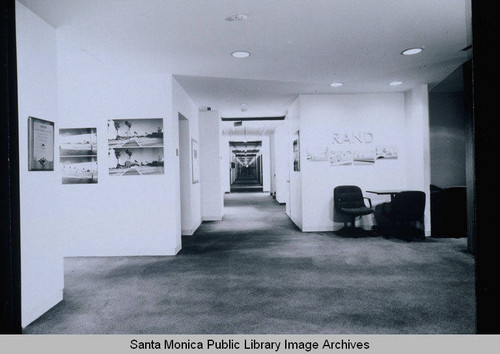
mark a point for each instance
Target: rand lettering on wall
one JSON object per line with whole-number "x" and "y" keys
{"x": 361, "y": 137}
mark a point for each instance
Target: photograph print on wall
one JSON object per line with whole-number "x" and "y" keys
{"x": 135, "y": 147}
{"x": 363, "y": 157}
{"x": 386, "y": 152}
{"x": 340, "y": 158}
{"x": 78, "y": 155}
{"x": 135, "y": 161}
{"x": 123, "y": 133}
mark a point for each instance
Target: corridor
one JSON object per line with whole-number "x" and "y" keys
{"x": 254, "y": 272}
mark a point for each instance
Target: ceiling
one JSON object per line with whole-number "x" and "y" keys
{"x": 297, "y": 47}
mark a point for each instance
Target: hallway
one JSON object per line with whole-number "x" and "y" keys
{"x": 255, "y": 272}
{"x": 246, "y": 184}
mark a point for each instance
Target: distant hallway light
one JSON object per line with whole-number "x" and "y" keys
{"x": 395, "y": 83}
{"x": 336, "y": 84}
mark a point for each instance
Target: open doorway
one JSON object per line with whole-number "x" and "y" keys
{"x": 451, "y": 152}
{"x": 185, "y": 175}
{"x": 247, "y": 174}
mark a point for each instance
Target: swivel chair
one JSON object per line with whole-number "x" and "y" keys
{"x": 399, "y": 217}
{"x": 349, "y": 202}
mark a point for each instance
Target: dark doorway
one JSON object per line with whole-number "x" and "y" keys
{"x": 247, "y": 175}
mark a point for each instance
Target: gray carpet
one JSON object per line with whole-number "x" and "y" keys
{"x": 255, "y": 272}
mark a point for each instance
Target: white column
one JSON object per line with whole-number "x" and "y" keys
{"x": 212, "y": 194}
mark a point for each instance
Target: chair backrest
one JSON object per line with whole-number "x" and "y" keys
{"x": 347, "y": 197}
{"x": 408, "y": 206}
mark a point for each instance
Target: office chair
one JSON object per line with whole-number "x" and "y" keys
{"x": 399, "y": 217}
{"x": 349, "y": 202}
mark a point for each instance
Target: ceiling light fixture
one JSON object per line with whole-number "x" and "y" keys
{"x": 412, "y": 51}
{"x": 336, "y": 84}
{"x": 395, "y": 83}
{"x": 240, "y": 54}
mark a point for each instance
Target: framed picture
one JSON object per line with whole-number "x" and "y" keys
{"x": 78, "y": 155}
{"x": 135, "y": 147}
{"x": 296, "y": 152}
{"x": 40, "y": 145}
{"x": 195, "y": 160}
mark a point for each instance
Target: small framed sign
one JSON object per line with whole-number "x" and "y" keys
{"x": 40, "y": 145}
{"x": 195, "y": 161}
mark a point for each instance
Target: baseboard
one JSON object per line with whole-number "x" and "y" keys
{"x": 190, "y": 232}
{"x": 46, "y": 302}
{"x": 211, "y": 218}
{"x": 174, "y": 251}
{"x": 297, "y": 223}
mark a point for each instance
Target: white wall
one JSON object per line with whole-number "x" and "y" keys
{"x": 42, "y": 276}
{"x": 212, "y": 194}
{"x": 418, "y": 145}
{"x": 225, "y": 166}
{"x": 191, "y": 216}
{"x": 118, "y": 216}
{"x": 266, "y": 164}
{"x": 281, "y": 153}
{"x": 294, "y": 205}
{"x": 185, "y": 176}
{"x": 392, "y": 119}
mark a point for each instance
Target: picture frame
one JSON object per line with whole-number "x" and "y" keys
{"x": 78, "y": 155}
{"x": 40, "y": 144}
{"x": 296, "y": 151}
{"x": 195, "y": 161}
{"x": 135, "y": 147}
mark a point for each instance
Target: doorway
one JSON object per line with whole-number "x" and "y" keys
{"x": 247, "y": 174}
{"x": 451, "y": 141}
{"x": 184, "y": 175}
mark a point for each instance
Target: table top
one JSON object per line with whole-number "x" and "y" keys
{"x": 385, "y": 191}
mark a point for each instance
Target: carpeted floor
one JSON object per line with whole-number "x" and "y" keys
{"x": 246, "y": 184}
{"x": 255, "y": 272}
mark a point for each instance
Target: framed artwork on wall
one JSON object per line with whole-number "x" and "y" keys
{"x": 135, "y": 147}
{"x": 296, "y": 152}
{"x": 195, "y": 160}
{"x": 78, "y": 155}
{"x": 40, "y": 145}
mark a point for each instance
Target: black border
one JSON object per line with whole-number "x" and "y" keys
{"x": 487, "y": 260}
{"x": 485, "y": 113}
{"x": 10, "y": 246}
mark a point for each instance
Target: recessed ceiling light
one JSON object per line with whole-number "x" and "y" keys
{"x": 412, "y": 51}
{"x": 395, "y": 83}
{"x": 240, "y": 54}
{"x": 336, "y": 84}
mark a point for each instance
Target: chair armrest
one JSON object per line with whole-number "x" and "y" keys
{"x": 369, "y": 201}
